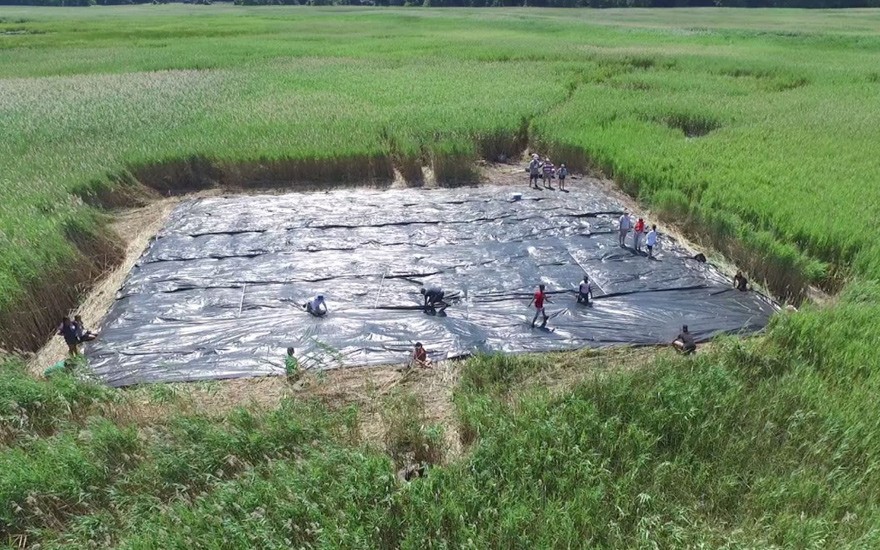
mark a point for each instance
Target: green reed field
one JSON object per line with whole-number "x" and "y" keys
{"x": 754, "y": 131}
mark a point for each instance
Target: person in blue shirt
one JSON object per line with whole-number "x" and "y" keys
{"x": 562, "y": 173}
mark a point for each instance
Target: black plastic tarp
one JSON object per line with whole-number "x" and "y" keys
{"x": 219, "y": 293}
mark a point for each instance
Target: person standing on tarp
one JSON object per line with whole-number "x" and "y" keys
{"x": 651, "y": 241}
{"x": 638, "y": 230}
{"x": 624, "y": 225}
{"x": 562, "y": 173}
{"x": 585, "y": 291}
{"x": 534, "y": 171}
{"x": 538, "y": 300}
{"x": 317, "y": 307}
{"x": 549, "y": 170}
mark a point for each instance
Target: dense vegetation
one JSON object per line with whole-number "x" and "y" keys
{"x": 764, "y": 443}
{"x": 756, "y": 131}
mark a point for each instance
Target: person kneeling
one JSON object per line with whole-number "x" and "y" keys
{"x": 585, "y": 291}
{"x": 82, "y": 334}
{"x": 420, "y": 357}
{"x": 317, "y": 307}
{"x": 684, "y": 342}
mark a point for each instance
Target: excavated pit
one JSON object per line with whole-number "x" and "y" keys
{"x": 219, "y": 292}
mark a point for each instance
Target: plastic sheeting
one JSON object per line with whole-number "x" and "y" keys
{"x": 219, "y": 293}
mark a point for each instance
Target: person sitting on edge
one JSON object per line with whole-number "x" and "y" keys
{"x": 562, "y": 173}
{"x": 534, "y": 171}
{"x": 420, "y": 357}
{"x": 549, "y": 170}
{"x": 740, "y": 282}
{"x": 684, "y": 342}
{"x": 624, "y": 225}
{"x": 434, "y": 299}
{"x": 651, "y": 241}
{"x": 68, "y": 330}
{"x": 317, "y": 307}
{"x": 585, "y": 291}
{"x": 638, "y": 230}
{"x": 291, "y": 365}
{"x": 538, "y": 300}
{"x": 82, "y": 334}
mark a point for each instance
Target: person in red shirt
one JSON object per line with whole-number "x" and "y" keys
{"x": 638, "y": 231}
{"x": 539, "y": 300}
{"x": 420, "y": 356}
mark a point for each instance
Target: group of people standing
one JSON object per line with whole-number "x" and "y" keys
{"x": 625, "y": 225}
{"x": 545, "y": 171}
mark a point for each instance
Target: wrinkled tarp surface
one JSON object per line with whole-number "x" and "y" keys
{"x": 219, "y": 293}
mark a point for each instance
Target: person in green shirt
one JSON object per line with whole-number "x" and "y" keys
{"x": 291, "y": 365}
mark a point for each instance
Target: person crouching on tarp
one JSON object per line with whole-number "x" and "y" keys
{"x": 433, "y": 300}
{"x": 317, "y": 307}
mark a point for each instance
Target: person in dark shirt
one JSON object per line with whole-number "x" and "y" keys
{"x": 684, "y": 342}
{"x": 68, "y": 330}
{"x": 740, "y": 282}
{"x": 434, "y": 299}
{"x": 82, "y": 334}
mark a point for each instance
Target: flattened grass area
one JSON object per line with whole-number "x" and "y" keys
{"x": 754, "y": 130}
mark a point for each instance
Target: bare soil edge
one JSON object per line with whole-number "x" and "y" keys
{"x": 134, "y": 229}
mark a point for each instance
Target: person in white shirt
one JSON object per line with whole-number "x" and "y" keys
{"x": 317, "y": 307}
{"x": 651, "y": 240}
{"x": 624, "y": 225}
{"x": 585, "y": 291}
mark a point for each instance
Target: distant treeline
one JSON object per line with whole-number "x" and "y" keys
{"x": 491, "y": 3}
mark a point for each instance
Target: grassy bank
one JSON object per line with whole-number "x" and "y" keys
{"x": 762, "y": 443}
{"x": 755, "y": 129}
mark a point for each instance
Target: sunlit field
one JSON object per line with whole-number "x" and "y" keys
{"x": 754, "y": 132}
